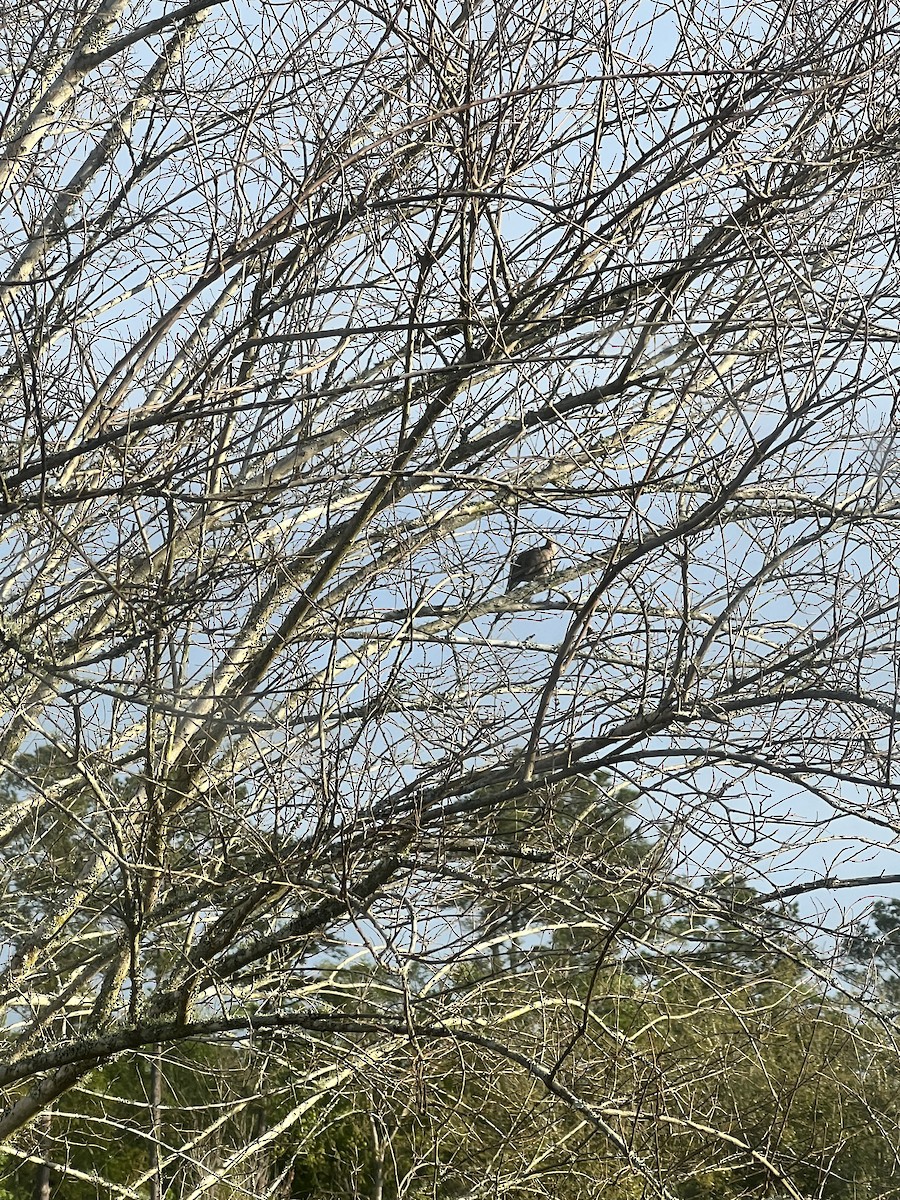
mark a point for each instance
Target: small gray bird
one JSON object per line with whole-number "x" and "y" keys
{"x": 531, "y": 565}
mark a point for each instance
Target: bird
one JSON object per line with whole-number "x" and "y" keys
{"x": 531, "y": 565}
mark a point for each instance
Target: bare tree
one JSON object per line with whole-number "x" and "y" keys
{"x": 313, "y": 316}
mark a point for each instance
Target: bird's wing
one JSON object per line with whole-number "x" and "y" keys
{"x": 521, "y": 569}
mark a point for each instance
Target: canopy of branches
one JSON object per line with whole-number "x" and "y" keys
{"x": 329, "y": 865}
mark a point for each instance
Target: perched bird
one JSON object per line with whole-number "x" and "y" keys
{"x": 531, "y": 565}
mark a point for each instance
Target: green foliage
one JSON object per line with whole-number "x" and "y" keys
{"x": 702, "y": 1053}
{"x": 877, "y": 945}
{"x": 690, "y": 1026}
